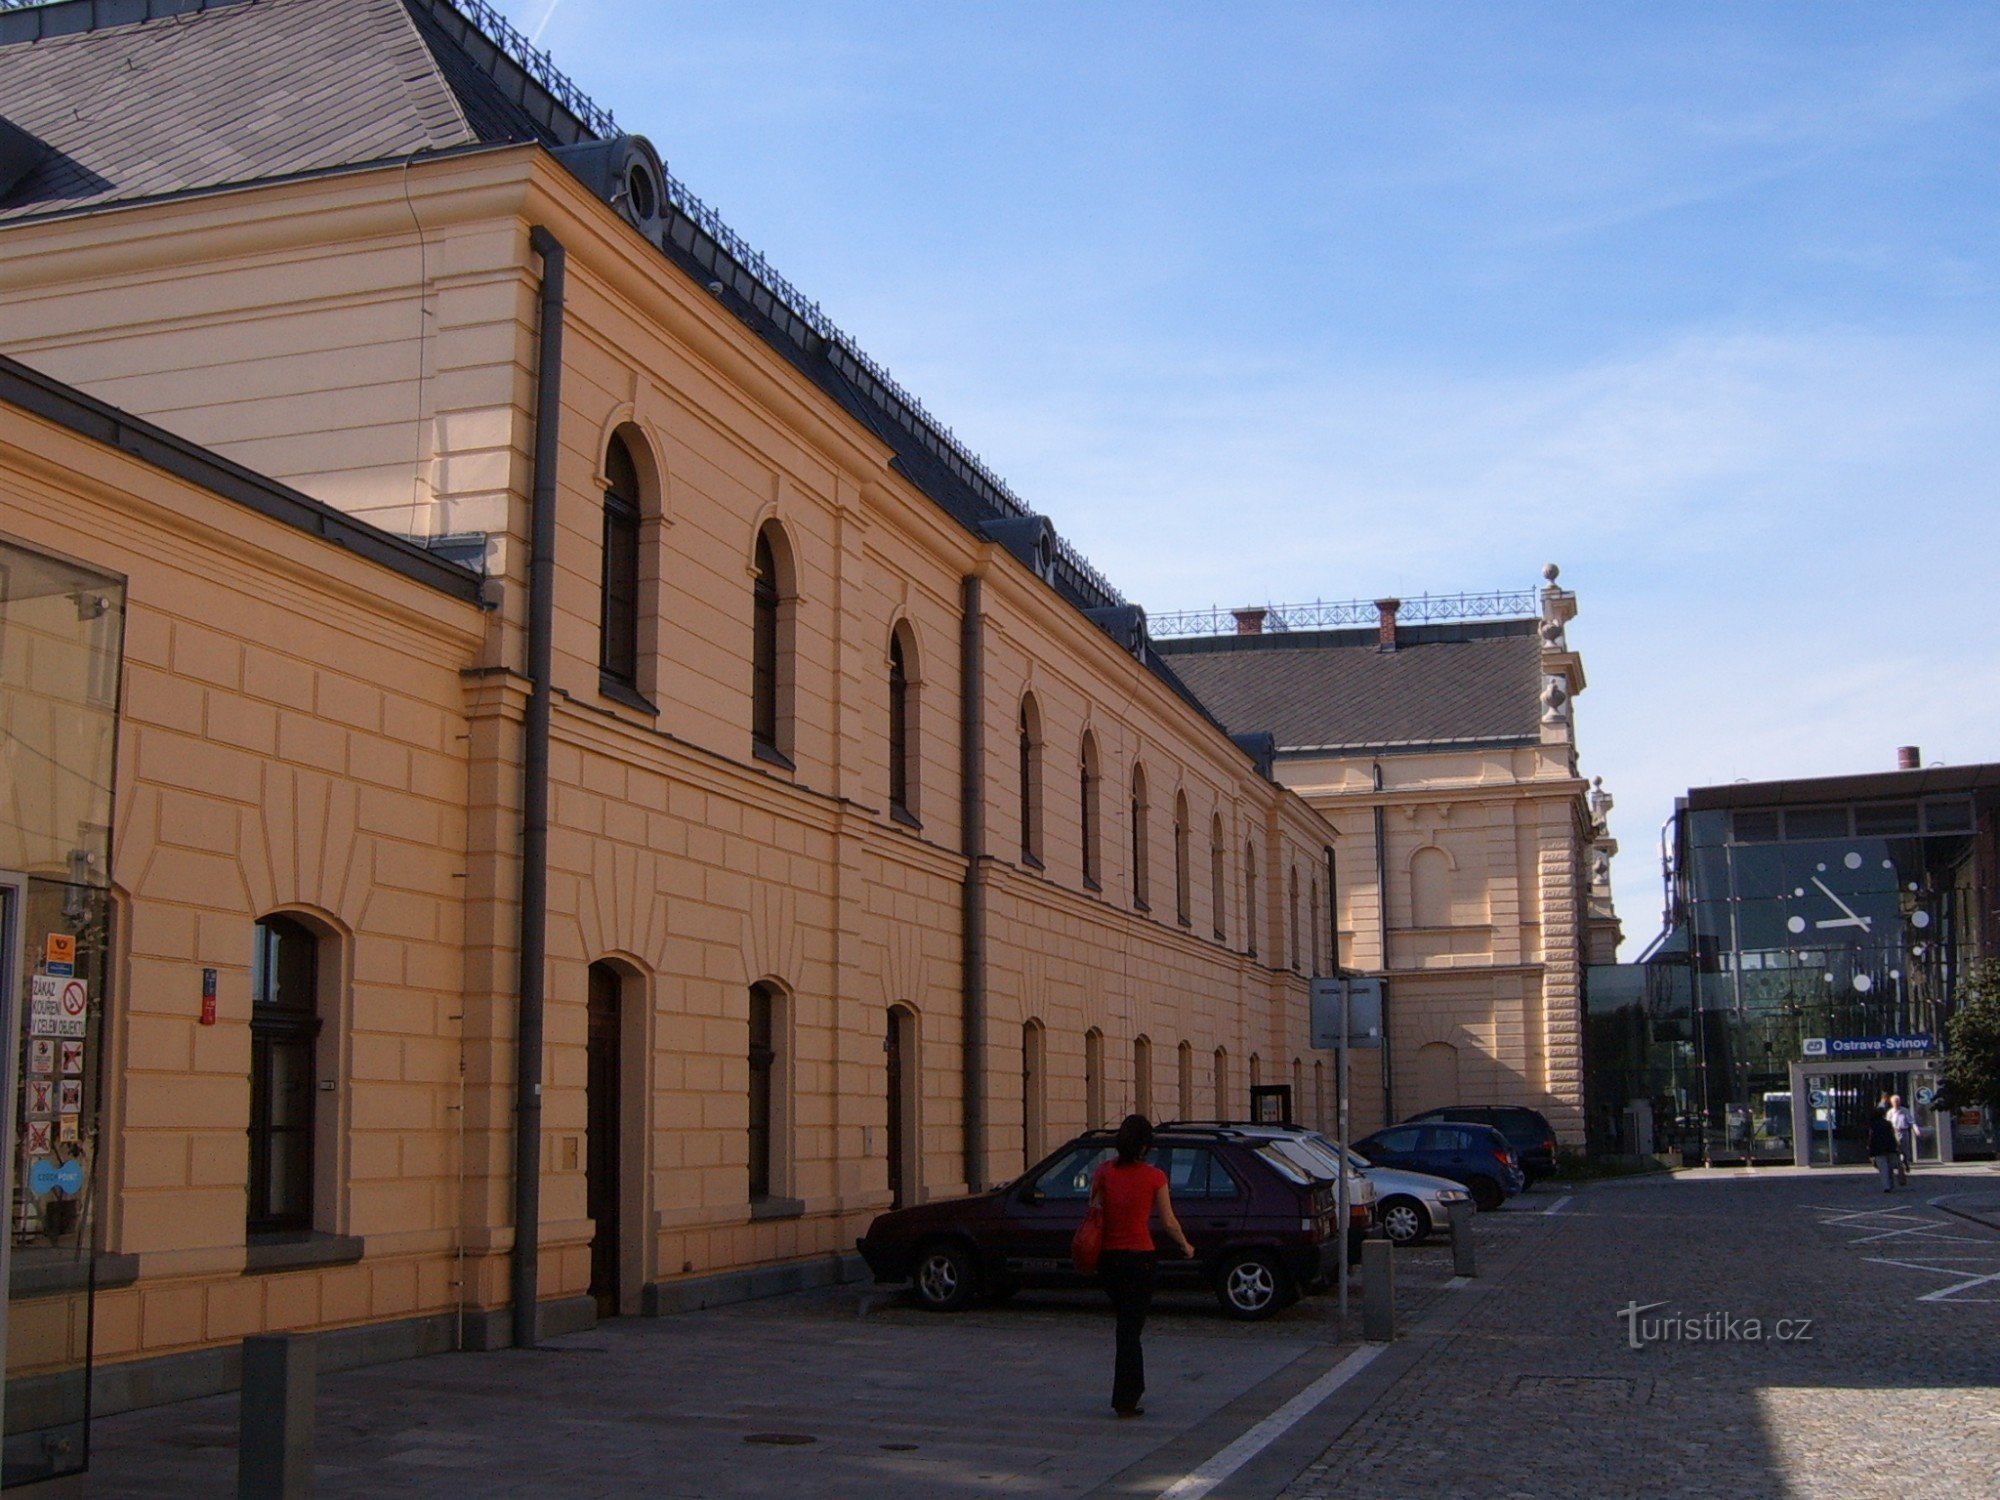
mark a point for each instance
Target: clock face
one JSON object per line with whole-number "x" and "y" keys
{"x": 1842, "y": 899}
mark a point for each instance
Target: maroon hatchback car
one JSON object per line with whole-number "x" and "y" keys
{"x": 1263, "y": 1226}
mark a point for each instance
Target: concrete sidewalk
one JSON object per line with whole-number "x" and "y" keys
{"x": 844, "y": 1391}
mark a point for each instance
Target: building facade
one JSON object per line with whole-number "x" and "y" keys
{"x": 590, "y": 751}
{"x": 1473, "y": 868}
{"x": 1817, "y": 933}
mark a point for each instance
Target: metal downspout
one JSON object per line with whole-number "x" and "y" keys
{"x": 535, "y": 796}
{"x": 972, "y": 781}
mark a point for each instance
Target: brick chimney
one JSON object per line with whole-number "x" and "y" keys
{"x": 1908, "y": 758}
{"x": 1385, "y": 638}
{"x": 1249, "y": 621}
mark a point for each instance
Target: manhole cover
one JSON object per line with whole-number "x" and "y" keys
{"x": 781, "y": 1439}
{"x": 1581, "y": 1390}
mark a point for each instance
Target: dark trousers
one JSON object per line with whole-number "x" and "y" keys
{"x": 1128, "y": 1282}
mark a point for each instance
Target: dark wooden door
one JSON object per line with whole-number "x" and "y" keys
{"x": 601, "y": 1167}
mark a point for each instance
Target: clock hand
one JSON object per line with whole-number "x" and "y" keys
{"x": 1854, "y": 919}
{"x": 1861, "y": 922}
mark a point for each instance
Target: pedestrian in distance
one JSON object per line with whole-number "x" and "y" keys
{"x": 1905, "y": 1125}
{"x": 1882, "y": 1148}
{"x": 1129, "y": 1191}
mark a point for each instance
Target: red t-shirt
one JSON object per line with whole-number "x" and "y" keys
{"x": 1127, "y": 1193}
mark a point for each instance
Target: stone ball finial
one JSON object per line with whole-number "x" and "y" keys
{"x": 1551, "y": 572}
{"x": 1598, "y": 782}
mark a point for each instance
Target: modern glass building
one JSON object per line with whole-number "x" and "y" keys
{"x": 1815, "y": 934}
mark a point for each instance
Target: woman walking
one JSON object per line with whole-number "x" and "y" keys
{"x": 1129, "y": 1191}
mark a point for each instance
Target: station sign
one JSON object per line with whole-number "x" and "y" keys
{"x": 1868, "y": 1046}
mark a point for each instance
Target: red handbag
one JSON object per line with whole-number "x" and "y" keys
{"x": 1088, "y": 1241}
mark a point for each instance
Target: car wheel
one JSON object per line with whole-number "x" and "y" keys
{"x": 945, "y": 1277}
{"x": 1252, "y": 1285}
{"x": 1486, "y": 1194}
{"x": 1404, "y": 1221}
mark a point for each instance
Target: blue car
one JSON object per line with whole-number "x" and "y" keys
{"x": 1477, "y": 1156}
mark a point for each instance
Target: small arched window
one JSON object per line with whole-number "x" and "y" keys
{"x": 1141, "y": 851}
{"x": 1034, "y": 1094}
{"x": 1089, "y": 783}
{"x": 1313, "y": 924}
{"x": 904, "y": 760}
{"x": 1217, "y": 878}
{"x": 284, "y": 1076}
{"x": 1292, "y": 915}
{"x": 1093, "y": 1079}
{"x": 1030, "y": 769}
{"x": 618, "y": 605}
{"x": 1221, "y": 1083}
{"x": 1185, "y": 1079}
{"x": 1142, "y": 1076}
{"x": 1183, "y": 860}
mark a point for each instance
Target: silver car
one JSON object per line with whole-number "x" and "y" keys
{"x": 1410, "y": 1206}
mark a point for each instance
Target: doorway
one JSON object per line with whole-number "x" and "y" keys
{"x": 601, "y": 1166}
{"x": 899, "y": 1048}
{"x": 1830, "y": 1105}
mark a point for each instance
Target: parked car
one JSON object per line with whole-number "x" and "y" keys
{"x": 1315, "y": 1154}
{"x": 1263, "y": 1226}
{"x": 1529, "y": 1134}
{"x": 1476, "y": 1156}
{"x": 1409, "y": 1206}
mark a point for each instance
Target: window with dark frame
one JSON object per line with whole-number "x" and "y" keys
{"x": 1250, "y": 898}
{"x": 1183, "y": 860}
{"x": 618, "y": 611}
{"x": 763, "y": 1057}
{"x": 767, "y": 601}
{"x": 284, "y": 1092}
{"x": 899, "y": 727}
{"x": 1217, "y": 878}
{"x": 1087, "y": 779}
{"x": 1141, "y": 853}
{"x": 1031, "y": 784}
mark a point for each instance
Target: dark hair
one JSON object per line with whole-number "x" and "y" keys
{"x": 1135, "y": 1138}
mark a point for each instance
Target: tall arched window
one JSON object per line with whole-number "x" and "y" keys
{"x": 1292, "y": 915}
{"x": 1250, "y": 898}
{"x": 1314, "y": 924}
{"x": 1185, "y": 1079}
{"x": 767, "y": 1096}
{"x": 1034, "y": 1094}
{"x": 1217, "y": 878}
{"x": 284, "y": 1084}
{"x": 1030, "y": 747}
{"x": 1093, "y": 1079}
{"x": 1089, "y": 783}
{"x": 1142, "y": 1076}
{"x": 1221, "y": 1083}
{"x": 773, "y": 606}
{"x": 904, "y": 759}
{"x": 1183, "y": 859}
{"x": 1141, "y": 851}
{"x": 618, "y": 604}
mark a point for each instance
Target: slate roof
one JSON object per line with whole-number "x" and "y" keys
{"x": 1463, "y": 684}
{"x": 233, "y": 92}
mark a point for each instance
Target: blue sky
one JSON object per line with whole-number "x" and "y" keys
{"x": 1282, "y": 302}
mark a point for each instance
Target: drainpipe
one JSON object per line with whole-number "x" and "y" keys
{"x": 535, "y": 796}
{"x": 1382, "y": 930}
{"x": 972, "y": 817}
{"x": 1332, "y": 912}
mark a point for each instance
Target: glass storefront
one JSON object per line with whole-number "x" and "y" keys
{"x": 61, "y": 636}
{"x": 1828, "y": 930}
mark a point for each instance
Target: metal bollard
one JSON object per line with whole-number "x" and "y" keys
{"x": 274, "y": 1453}
{"x": 1463, "y": 1261}
{"x": 1378, "y": 1291}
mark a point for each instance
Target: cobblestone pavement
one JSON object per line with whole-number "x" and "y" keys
{"x": 1011, "y": 1399}
{"x": 1536, "y": 1390}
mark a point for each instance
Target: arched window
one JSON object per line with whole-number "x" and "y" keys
{"x": 767, "y": 1096}
{"x": 284, "y": 1076}
{"x": 1183, "y": 858}
{"x": 1093, "y": 1079}
{"x": 1141, "y": 851}
{"x": 904, "y": 760}
{"x": 1256, "y": 1071}
{"x": 1142, "y": 1076}
{"x": 618, "y": 604}
{"x": 1030, "y": 746}
{"x": 1292, "y": 915}
{"x": 1089, "y": 783}
{"x": 1034, "y": 1094}
{"x": 899, "y": 1046}
{"x": 773, "y": 606}
{"x": 1186, "y": 1081}
{"x": 1250, "y": 898}
{"x": 1430, "y": 888}
{"x": 1320, "y": 1120}
{"x": 1313, "y": 924}
{"x": 1221, "y": 1083}
{"x": 1217, "y": 878}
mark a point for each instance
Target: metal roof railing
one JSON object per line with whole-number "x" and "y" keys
{"x": 1500, "y": 604}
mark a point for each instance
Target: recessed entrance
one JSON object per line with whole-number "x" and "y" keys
{"x": 601, "y": 1189}
{"x": 1832, "y": 1102}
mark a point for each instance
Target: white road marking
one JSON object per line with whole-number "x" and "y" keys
{"x": 1458, "y": 1281}
{"x": 1914, "y": 1234}
{"x": 1557, "y": 1206}
{"x": 1198, "y": 1482}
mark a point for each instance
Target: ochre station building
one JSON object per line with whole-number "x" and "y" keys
{"x": 512, "y": 718}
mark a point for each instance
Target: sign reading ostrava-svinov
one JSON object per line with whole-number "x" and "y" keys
{"x": 1866, "y": 1046}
